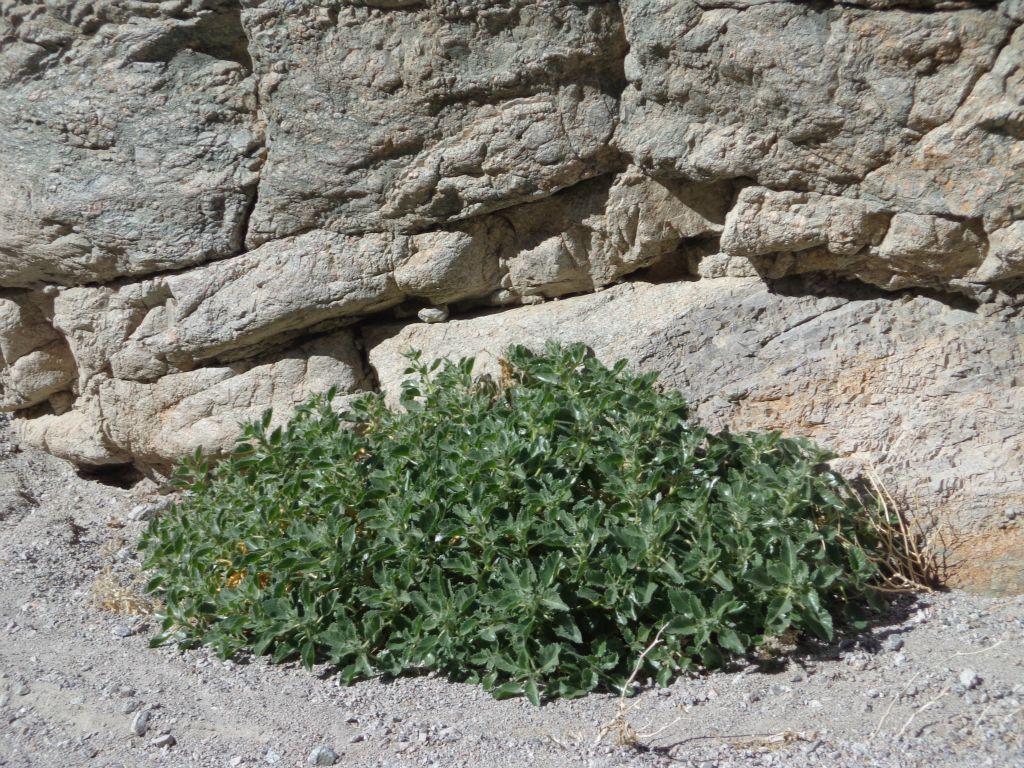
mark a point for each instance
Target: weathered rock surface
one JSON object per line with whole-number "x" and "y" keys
{"x": 384, "y": 116}
{"x": 879, "y": 108}
{"x": 926, "y": 393}
{"x": 34, "y": 359}
{"x": 203, "y": 201}
{"x": 117, "y": 420}
{"x": 130, "y": 136}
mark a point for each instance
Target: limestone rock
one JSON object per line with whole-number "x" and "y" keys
{"x": 1005, "y": 257}
{"x": 927, "y": 393}
{"x": 764, "y": 222}
{"x": 173, "y": 323}
{"x": 971, "y": 165}
{"x": 35, "y": 362}
{"x": 794, "y": 95}
{"x": 130, "y": 138}
{"x": 117, "y": 421}
{"x": 594, "y": 237}
{"x": 157, "y": 423}
{"x": 431, "y": 113}
{"x": 879, "y": 106}
{"x": 922, "y": 250}
{"x": 76, "y": 435}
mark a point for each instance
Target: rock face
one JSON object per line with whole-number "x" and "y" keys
{"x": 925, "y": 394}
{"x": 205, "y": 203}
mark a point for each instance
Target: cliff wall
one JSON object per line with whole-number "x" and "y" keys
{"x": 211, "y": 207}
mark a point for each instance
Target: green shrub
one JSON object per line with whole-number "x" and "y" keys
{"x": 532, "y": 534}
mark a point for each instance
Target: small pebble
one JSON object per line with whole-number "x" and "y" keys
{"x": 140, "y": 723}
{"x": 357, "y": 738}
{"x": 121, "y": 631}
{"x": 165, "y": 740}
{"x": 322, "y": 756}
{"x": 433, "y": 314}
{"x": 22, "y": 689}
{"x": 271, "y": 757}
{"x": 969, "y": 679}
{"x": 893, "y": 643}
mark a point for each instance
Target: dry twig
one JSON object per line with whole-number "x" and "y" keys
{"x": 909, "y": 563}
{"x": 906, "y": 685}
{"x": 625, "y": 733}
{"x": 921, "y": 709}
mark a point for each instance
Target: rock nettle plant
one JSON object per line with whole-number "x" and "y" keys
{"x": 533, "y": 534}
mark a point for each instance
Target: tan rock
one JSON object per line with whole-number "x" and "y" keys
{"x": 173, "y": 323}
{"x": 158, "y": 423}
{"x": 764, "y": 222}
{"x": 927, "y": 394}
{"x": 35, "y": 362}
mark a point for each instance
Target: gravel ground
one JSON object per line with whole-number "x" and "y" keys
{"x": 940, "y": 682}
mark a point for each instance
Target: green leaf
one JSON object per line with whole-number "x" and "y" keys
{"x": 722, "y": 580}
{"x": 308, "y": 654}
{"x": 508, "y": 690}
{"x": 777, "y": 618}
{"x": 728, "y": 639}
{"x": 532, "y": 693}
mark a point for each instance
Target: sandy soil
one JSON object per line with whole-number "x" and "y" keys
{"x": 940, "y": 682}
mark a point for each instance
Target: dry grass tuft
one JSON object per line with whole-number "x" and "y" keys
{"x": 911, "y": 562}
{"x": 120, "y": 593}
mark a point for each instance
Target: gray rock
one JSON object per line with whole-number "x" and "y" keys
{"x": 433, "y": 314}
{"x": 322, "y": 755}
{"x": 969, "y": 679}
{"x": 152, "y": 165}
{"x": 433, "y": 112}
{"x": 165, "y": 740}
{"x": 140, "y": 723}
{"x": 818, "y": 107}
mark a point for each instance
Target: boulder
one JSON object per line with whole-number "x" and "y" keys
{"x": 153, "y": 424}
{"x": 923, "y": 392}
